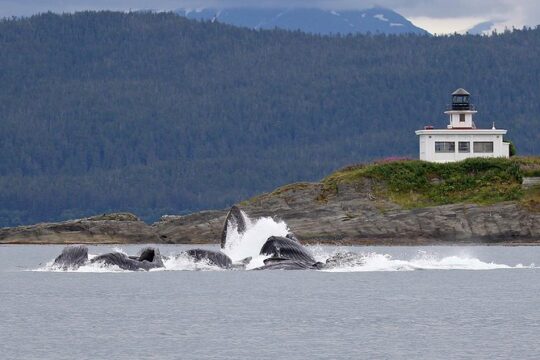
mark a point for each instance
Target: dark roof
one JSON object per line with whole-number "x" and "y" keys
{"x": 461, "y": 91}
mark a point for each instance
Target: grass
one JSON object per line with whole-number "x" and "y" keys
{"x": 279, "y": 191}
{"x": 529, "y": 165}
{"x": 531, "y": 199}
{"x": 415, "y": 183}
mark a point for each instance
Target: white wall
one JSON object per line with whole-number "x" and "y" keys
{"x": 427, "y": 139}
{"x": 455, "y": 116}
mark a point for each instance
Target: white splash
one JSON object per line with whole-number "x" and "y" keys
{"x": 96, "y": 267}
{"x": 422, "y": 261}
{"x": 186, "y": 263}
{"x": 249, "y": 243}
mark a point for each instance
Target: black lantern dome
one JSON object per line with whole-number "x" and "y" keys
{"x": 461, "y": 100}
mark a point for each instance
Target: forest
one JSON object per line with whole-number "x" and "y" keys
{"x": 156, "y": 114}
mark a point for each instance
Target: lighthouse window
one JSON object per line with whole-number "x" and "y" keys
{"x": 445, "y": 146}
{"x": 461, "y": 117}
{"x": 483, "y": 146}
{"x": 464, "y": 147}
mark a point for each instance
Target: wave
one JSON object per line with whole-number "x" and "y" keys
{"x": 373, "y": 261}
{"x": 356, "y": 262}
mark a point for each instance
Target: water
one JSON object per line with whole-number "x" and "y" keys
{"x": 394, "y": 303}
{"x": 389, "y": 310}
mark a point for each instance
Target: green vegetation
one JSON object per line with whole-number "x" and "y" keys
{"x": 414, "y": 183}
{"x": 155, "y": 114}
{"x": 531, "y": 199}
{"x": 529, "y": 165}
{"x": 512, "y": 148}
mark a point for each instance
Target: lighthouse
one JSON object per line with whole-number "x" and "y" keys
{"x": 461, "y": 139}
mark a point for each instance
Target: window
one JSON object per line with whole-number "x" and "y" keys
{"x": 445, "y": 146}
{"x": 483, "y": 146}
{"x": 461, "y": 117}
{"x": 464, "y": 99}
{"x": 464, "y": 147}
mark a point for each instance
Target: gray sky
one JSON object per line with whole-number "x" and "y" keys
{"x": 437, "y": 16}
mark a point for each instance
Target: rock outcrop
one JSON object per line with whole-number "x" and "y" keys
{"x": 116, "y": 228}
{"x": 353, "y": 215}
{"x": 349, "y": 214}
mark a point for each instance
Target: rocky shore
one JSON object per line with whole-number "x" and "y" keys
{"x": 119, "y": 228}
{"x": 354, "y": 215}
{"x": 351, "y": 214}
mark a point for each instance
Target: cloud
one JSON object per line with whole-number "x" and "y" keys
{"x": 515, "y": 12}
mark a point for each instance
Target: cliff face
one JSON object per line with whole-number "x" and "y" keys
{"x": 354, "y": 215}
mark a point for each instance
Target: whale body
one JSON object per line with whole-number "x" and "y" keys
{"x": 234, "y": 218}
{"x": 72, "y": 257}
{"x": 148, "y": 259}
{"x": 279, "y": 247}
{"x": 287, "y": 253}
{"x": 215, "y": 258}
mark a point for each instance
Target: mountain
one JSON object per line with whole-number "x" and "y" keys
{"x": 316, "y": 21}
{"x": 158, "y": 114}
{"x": 483, "y": 28}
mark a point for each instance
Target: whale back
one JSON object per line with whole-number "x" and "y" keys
{"x": 279, "y": 247}
{"x": 213, "y": 257}
{"x": 116, "y": 259}
{"x": 234, "y": 218}
{"x": 125, "y": 262}
{"x": 71, "y": 257}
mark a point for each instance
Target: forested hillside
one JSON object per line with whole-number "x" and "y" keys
{"x": 154, "y": 113}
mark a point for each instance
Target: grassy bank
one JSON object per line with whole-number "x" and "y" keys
{"x": 415, "y": 183}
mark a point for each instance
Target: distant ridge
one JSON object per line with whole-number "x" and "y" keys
{"x": 376, "y": 20}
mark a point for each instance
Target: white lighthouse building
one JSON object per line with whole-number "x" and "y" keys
{"x": 461, "y": 139}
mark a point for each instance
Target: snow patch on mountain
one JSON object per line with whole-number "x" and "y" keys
{"x": 310, "y": 20}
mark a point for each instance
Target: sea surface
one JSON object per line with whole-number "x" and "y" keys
{"x": 401, "y": 303}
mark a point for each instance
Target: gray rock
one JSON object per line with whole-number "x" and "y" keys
{"x": 350, "y": 216}
{"x": 103, "y": 229}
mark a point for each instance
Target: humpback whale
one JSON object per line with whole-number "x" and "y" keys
{"x": 234, "y": 218}
{"x": 287, "y": 254}
{"x": 216, "y": 258}
{"x": 148, "y": 258}
{"x": 281, "y": 252}
{"x": 284, "y": 248}
{"x": 73, "y": 257}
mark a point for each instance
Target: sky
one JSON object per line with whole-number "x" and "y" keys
{"x": 436, "y": 16}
